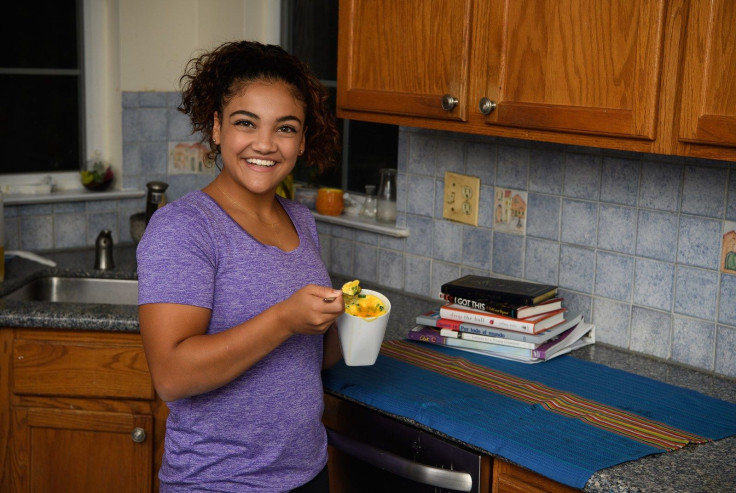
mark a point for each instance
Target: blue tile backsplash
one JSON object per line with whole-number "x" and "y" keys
{"x": 633, "y": 240}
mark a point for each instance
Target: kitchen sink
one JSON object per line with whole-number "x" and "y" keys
{"x": 60, "y": 289}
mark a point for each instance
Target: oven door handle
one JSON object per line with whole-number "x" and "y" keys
{"x": 395, "y": 464}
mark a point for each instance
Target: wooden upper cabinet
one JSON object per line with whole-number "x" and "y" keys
{"x": 402, "y": 57}
{"x": 708, "y": 98}
{"x": 580, "y": 66}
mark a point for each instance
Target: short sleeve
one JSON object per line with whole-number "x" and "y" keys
{"x": 176, "y": 258}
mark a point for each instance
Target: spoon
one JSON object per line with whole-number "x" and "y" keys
{"x": 349, "y": 291}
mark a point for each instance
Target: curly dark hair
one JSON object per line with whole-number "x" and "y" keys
{"x": 213, "y": 78}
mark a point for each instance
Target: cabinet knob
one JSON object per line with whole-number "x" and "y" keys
{"x": 449, "y": 102}
{"x": 486, "y": 106}
{"x": 138, "y": 435}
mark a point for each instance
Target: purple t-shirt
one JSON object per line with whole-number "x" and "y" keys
{"x": 262, "y": 431}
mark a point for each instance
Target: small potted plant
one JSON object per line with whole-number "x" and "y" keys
{"x": 97, "y": 174}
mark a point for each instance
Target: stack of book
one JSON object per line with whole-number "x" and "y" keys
{"x": 511, "y": 319}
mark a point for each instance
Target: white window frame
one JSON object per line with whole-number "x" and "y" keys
{"x": 102, "y": 96}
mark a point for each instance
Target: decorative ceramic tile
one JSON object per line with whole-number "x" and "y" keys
{"x": 542, "y": 261}
{"x": 650, "y": 332}
{"x": 477, "y": 247}
{"x": 509, "y": 211}
{"x": 660, "y": 186}
{"x": 693, "y": 342}
{"x": 512, "y": 170}
{"x": 611, "y": 322}
{"x": 579, "y": 222}
{"x": 188, "y": 157}
{"x": 654, "y": 283}
{"x": 582, "y": 176}
{"x": 154, "y": 158}
{"x": 577, "y": 268}
{"x": 544, "y": 216}
{"x": 614, "y": 276}
{"x": 417, "y": 275}
{"x": 508, "y": 254}
{"x": 699, "y": 242}
{"x": 657, "y": 235}
{"x": 620, "y": 181}
{"x": 617, "y": 228}
{"x": 727, "y": 260}
{"x": 546, "y": 171}
{"x": 704, "y": 191}
{"x": 727, "y": 300}
{"x": 695, "y": 292}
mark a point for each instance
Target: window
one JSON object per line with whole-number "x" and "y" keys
{"x": 309, "y": 31}
{"x": 41, "y": 87}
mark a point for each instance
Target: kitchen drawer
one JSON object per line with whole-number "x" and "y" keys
{"x": 94, "y": 364}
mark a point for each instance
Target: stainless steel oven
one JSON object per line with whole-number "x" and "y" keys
{"x": 372, "y": 452}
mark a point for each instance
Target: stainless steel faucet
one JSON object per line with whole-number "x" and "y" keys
{"x": 103, "y": 251}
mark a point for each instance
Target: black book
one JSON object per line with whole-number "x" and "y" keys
{"x": 498, "y": 289}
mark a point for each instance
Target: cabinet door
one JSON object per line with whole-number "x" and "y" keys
{"x": 582, "y": 66}
{"x": 508, "y": 478}
{"x": 70, "y": 450}
{"x": 402, "y": 57}
{"x": 708, "y": 100}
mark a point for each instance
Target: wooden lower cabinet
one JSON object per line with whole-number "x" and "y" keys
{"x": 82, "y": 413}
{"x": 508, "y": 478}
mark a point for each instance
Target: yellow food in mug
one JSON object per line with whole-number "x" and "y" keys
{"x": 366, "y": 306}
{"x": 351, "y": 288}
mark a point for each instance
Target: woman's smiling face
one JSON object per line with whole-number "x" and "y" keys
{"x": 261, "y": 133}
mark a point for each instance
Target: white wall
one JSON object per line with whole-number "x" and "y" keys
{"x": 158, "y": 37}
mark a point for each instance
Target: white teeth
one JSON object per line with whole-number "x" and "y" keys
{"x": 261, "y": 162}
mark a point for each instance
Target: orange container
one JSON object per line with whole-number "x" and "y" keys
{"x": 329, "y": 201}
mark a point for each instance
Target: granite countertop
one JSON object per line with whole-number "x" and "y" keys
{"x": 710, "y": 467}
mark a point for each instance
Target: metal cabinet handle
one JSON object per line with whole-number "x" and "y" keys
{"x": 449, "y": 102}
{"x": 486, "y": 106}
{"x": 138, "y": 435}
{"x": 414, "y": 471}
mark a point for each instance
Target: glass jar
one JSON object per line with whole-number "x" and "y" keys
{"x": 329, "y": 201}
{"x": 386, "y": 207}
{"x": 368, "y": 211}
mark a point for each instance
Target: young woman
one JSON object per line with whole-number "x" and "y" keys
{"x": 233, "y": 295}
